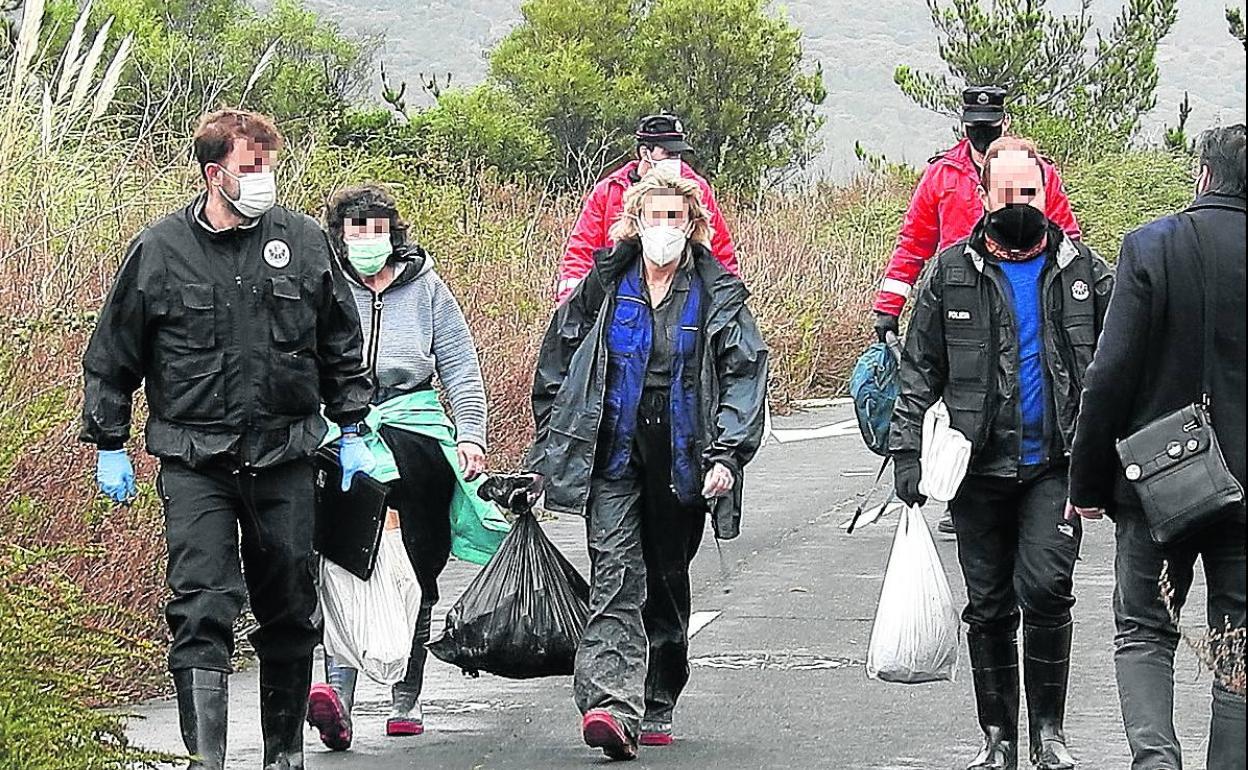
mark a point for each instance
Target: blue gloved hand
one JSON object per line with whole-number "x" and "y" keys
{"x": 355, "y": 457}
{"x": 115, "y": 475}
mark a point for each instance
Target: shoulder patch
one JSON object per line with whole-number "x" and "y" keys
{"x": 277, "y": 254}
{"x": 1080, "y": 290}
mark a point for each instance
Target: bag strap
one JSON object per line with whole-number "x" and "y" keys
{"x": 1209, "y": 274}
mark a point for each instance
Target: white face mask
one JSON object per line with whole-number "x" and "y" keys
{"x": 257, "y": 193}
{"x": 663, "y": 244}
{"x": 667, "y": 167}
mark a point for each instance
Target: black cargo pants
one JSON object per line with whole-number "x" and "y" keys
{"x": 209, "y": 513}
{"x": 1016, "y": 550}
{"x": 1146, "y": 638}
{"x": 634, "y": 654}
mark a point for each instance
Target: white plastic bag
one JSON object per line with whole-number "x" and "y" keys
{"x": 916, "y": 631}
{"x": 369, "y": 625}
{"x": 944, "y": 456}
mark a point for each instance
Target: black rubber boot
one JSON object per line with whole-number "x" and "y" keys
{"x": 406, "y": 716}
{"x": 203, "y": 713}
{"x": 994, "y": 667}
{"x": 283, "y": 707}
{"x": 1046, "y": 671}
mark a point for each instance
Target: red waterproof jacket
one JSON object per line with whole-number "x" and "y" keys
{"x": 603, "y": 207}
{"x": 944, "y": 210}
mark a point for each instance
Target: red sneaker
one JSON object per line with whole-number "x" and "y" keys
{"x": 603, "y": 731}
{"x": 328, "y": 715}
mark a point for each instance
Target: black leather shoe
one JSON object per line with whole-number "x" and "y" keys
{"x": 1046, "y": 671}
{"x": 203, "y": 715}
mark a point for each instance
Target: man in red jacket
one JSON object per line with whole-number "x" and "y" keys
{"x": 660, "y": 142}
{"x": 946, "y": 206}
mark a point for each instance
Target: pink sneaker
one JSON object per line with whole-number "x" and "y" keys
{"x": 603, "y": 731}
{"x": 328, "y": 715}
{"x": 656, "y": 733}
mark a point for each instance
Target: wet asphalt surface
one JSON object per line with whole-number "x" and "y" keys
{"x": 778, "y": 674}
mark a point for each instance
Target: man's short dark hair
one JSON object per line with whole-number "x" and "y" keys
{"x": 1222, "y": 151}
{"x": 216, "y": 133}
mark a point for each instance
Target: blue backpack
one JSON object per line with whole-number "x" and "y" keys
{"x": 874, "y": 386}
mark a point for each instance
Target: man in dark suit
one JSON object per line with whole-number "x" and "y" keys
{"x": 1149, "y": 363}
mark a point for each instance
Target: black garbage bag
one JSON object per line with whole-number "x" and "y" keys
{"x": 523, "y": 615}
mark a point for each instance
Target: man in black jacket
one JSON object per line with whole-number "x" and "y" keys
{"x": 235, "y": 317}
{"x": 1003, "y": 330}
{"x": 1148, "y": 364}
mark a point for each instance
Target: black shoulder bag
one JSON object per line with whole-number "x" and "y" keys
{"x": 1175, "y": 462}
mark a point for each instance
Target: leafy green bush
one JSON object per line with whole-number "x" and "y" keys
{"x": 54, "y": 662}
{"x": 1119, "y": 192}
{"x": 588, "y": 69}
{"x": 192, "y": 55}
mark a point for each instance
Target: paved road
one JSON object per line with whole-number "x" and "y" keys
{"x": 778, "y": 679}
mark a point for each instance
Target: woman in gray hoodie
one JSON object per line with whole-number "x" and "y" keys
{"x": 413, "y": 329}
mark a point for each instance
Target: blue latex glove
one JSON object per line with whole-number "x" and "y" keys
{"x": 115, "y": 475}
{"x": 355, "y": 457}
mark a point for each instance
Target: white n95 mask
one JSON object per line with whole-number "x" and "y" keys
{"x": 663, "y": 244}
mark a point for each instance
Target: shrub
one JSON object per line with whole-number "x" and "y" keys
{"x": 1119, "y": 192}
{"x": 55, "y": 662}
{"x": 589, "y": 69}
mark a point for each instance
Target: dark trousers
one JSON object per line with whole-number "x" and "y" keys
{"x": 1016, "y": 551}
{"x": 634, "y": 654}
{"x": 1146, "y": 638}
{"x": 211, "y": 515}
{"x": 422, "y": 496}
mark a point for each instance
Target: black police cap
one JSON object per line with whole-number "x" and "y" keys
{"x": 983, "y": 104}
{"x": 664, "y": 130}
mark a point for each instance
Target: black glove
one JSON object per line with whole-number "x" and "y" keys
{"x": 885, "y": 323}
{"x": 906, "y": 475}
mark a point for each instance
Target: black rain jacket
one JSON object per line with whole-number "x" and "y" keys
{"x": 239, "y": 338}
{"x": 962, "y": 346}
{"x": 569, "y": 384}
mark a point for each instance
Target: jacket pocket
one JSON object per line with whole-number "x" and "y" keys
{"x": 967, "y": 407}
{"x": 293, "y": 385}
{"x": 292, "y": 320}
{"x": 966, "y": 362}
{"x": 195, "y": 388}
{"x": 199, "y": 316}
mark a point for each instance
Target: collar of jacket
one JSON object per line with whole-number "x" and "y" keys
{"x": 195, "y": 213}
{"x": 959, "y": 156}
{"x": 411, "y": 255}
{"x": 727, "y": 293}
{"x": 1219, "y": 201}
{"x": 1066, "y": 251}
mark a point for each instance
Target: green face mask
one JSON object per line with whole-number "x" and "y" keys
{"x": 369, "y": 255}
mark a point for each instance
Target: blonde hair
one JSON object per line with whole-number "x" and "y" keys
{"x": 625, "y": 227}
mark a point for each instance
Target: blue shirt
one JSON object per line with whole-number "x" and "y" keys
{"x": 1033, "y": 377}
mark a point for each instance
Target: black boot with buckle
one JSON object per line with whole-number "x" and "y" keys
{"x": 1046, "y": 671}
{"x": 994, "y": 666}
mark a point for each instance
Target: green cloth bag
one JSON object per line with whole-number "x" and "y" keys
{"x": 477, "y": 527}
